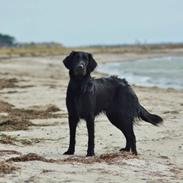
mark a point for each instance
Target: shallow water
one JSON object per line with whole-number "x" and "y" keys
{"x": 164, "y": 72}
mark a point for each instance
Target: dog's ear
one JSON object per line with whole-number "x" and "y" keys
{"x": 92, "y": 63}
{"x": 67, "y": 60}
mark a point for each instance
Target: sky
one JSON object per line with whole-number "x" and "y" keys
{"x": 92, "y": 22}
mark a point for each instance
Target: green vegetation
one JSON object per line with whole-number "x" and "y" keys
{"x": 6, "y": 40}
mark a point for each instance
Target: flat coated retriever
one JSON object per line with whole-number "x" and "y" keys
{"x": 87, "y": 97}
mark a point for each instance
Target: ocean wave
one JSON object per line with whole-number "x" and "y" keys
{"x": 166, "y": 72}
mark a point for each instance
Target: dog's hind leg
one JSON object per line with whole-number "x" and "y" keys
{"x": 130, "y": 139}
{"x": 126, "y": 127}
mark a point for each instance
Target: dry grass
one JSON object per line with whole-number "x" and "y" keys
{"x": 41, "y": 50}
{"x": 32, "y": 51}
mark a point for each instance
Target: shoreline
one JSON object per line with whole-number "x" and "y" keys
{"x": 107, "y": 72}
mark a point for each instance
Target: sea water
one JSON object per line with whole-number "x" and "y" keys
{"x": 163, "y": 72}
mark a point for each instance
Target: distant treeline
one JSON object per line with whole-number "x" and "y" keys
{"x": 10, "y": 41}
{"x": 38, "y": 45}
{"x": 6, "y": 40}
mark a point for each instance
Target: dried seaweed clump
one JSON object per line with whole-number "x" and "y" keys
{"x": 6, "y": 168}
{"x": 8, "y": 83}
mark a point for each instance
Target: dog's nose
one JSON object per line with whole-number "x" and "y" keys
{"x": 80, "y": 67}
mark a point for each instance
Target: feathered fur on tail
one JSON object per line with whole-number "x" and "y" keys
{"x": 148, "y": 117}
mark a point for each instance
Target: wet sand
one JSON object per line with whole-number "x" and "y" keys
{"x": 34, "y": 130}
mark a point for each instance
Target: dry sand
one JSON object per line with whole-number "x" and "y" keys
{"x": 34, "y": 130}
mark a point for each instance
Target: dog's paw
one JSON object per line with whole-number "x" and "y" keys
{"x": 68, "y": 152}
{"x": 134, "y": 152}
{"x": 125, "y": 149}
{"x": 90, "y": 154}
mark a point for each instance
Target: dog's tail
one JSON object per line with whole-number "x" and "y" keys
{"x": 148, "y": 117}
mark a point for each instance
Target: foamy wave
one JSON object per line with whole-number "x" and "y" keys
{"x": 166, "y": 72}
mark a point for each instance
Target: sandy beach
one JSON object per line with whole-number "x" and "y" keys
{"x": 34, "y": 129}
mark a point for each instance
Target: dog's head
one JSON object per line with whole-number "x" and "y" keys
{"x": 80, "y": 63}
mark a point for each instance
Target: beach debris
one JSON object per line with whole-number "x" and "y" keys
{"x": 7, "y": 168}
{"x": 105, "y": 158}
{"x": 19, "y": 119}
{"x": 8, "y": 83}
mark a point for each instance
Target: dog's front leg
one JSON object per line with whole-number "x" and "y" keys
{"x": 91, "y": 135}
{"x": 73, "y": 121}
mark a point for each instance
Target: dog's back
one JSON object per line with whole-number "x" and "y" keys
{"x": 115, "y": 94}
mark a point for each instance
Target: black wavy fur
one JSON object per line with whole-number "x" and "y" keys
{"x": 87, "y": 97}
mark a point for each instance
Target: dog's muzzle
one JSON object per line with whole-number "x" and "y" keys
{"x": 80, "y": 70}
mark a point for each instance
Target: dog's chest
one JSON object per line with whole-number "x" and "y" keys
{"x": 82, "y": 97}
{"x": 84, "y": 106}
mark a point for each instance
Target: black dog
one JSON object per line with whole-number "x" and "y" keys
{"x": 87, "y": 97}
